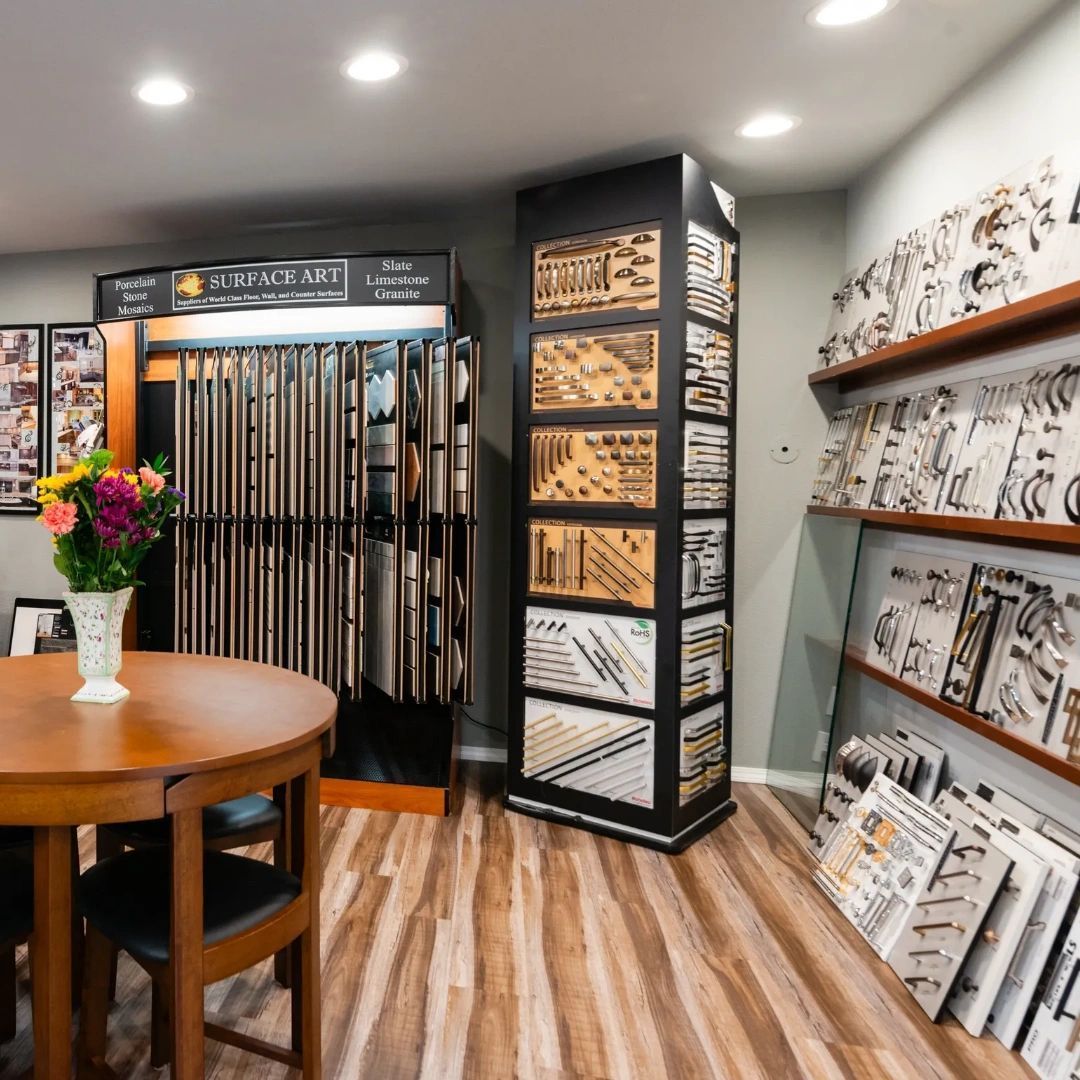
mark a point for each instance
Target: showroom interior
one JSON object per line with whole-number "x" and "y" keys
{"x": 582, "y": 515}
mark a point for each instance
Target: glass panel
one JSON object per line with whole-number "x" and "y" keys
{"x": 810, "y": 673}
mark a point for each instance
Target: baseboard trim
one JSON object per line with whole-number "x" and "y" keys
{"x": 743, "y": 774}
{"x": 495, "y": 754}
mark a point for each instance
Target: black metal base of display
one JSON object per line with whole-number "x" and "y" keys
{"x": 392, "y": 756}
{"x": 384, "y": 742}
{"x": 675, "y": 846}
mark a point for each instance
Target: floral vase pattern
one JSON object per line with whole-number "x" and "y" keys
{"x": 99, "y": 623}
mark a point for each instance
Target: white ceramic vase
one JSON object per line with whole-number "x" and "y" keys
{"x": 99, "y": 625}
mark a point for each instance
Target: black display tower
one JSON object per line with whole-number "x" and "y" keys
{"x": 624, "y": 435}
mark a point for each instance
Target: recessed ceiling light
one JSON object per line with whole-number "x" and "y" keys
{"x": 834, "y": 13}
{"x": 767, "y": 125}
{"x": 162, "y": 91}
{"x": 374, "y": 66}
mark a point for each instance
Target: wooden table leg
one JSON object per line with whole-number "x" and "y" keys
{"x": 51, "y": 976}
{"x": 186, "y": 945}
{"x": 306, "y": 953}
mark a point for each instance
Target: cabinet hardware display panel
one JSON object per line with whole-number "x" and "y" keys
{"x": 576, "y": 465}
{"x": 602, "y": 753}
{"x": 594, "y": 561}
{"x": 621, "y": 576}
{"x": 999, "y": 641}
{"x": 596, "y": 369}
{"x": 1016, "y": 238}
{"x": 608, "y": 657}
{"x": 967, "y": 894}
{"x": 1005, "y": 447}
{"x": 598, "y": 271}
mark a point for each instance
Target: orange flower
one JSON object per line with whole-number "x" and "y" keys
{"x": 60, "y": 518}
{"x": 154, "y": 481}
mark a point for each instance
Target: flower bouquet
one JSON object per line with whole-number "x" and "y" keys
{"x": 103, "y": 522}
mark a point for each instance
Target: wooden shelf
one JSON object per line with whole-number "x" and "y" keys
{"x": 1035, "y": 318}
{"x": 856, "y": 658}
{"x": 1019, "y": 533}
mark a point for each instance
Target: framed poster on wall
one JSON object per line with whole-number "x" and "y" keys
{"x": 76, "y": 404}
{"x": 20, "y": 417}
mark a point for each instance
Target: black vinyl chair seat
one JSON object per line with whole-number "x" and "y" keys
{"x": 127, "y": 898}
{"x": 222, "y": 820}
{"x": 16, "y": 898}
{"x": 15, "y": 836}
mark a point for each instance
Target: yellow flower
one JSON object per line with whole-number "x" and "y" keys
{"x": 132, "y": 478}
{"x": 110, "y": 473}
{"x": 48, "y": 497}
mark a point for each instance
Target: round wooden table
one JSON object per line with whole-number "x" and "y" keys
{"x": 229, "y": 726}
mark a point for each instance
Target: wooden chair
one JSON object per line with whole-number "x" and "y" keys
{"x": 236, "y": 823}
{"x": 229, "y": 913}
{"x": 16, "y": 917}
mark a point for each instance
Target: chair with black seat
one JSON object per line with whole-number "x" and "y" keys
{"x": 251, "y": 819}
{"x": 251, "y": 910}
{"x": 16, "y": 916}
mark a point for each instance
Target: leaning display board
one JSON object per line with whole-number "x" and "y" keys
{"x": 320, "y": 415}
{"x": 624, "y": 412}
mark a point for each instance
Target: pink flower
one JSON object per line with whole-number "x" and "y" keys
{"x": 154, "y": 481}
{"x": 60, "y": 517}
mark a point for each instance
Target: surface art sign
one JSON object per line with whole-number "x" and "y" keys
{"x": 352, "y": 280}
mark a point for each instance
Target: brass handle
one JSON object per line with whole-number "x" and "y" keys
{"x": 728, "y": 634}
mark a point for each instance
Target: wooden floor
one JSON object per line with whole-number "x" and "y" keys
{"x": 491, "y": 945}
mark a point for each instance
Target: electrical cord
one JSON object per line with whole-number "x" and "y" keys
{"x": 480, "y": 723}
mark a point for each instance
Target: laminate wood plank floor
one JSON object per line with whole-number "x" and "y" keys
{"x": 492, "y": 946}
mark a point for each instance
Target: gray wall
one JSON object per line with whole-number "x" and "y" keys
{"x": 1020, "y": 107}
{"x": 792, "y": 254}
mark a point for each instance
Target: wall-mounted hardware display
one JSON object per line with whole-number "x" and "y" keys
{"x": 1004, "y": 447}
{"x": 597, "y": 562}
{"x": 999, "y": 641}
{"x": 76, "y": 382}
{"x": 851, "y": 457}
{"x": 705, "y": 657}
{"x": 704, "y": 562}
{"x": 921, "y": 447}
{"x": 703, "y": 755}
{"x": 710, "y": 283}
{"x": 596, "y": 369}
{"x": 917, "y": 622}
{"x": 580, "y": 465}
{"x": 708, "y": 370}
{"x": 933, "y": 953}
{"x": 21, "y": 435}
{"x": 606, "y": 657}
{"x": 603, "y": 270}
{"x": 605, "y": 754}
{"x": 706, "y": 478}
{"x": 280, "y": 558}
{"x": 1016, "y": 238}
{"x": 624, "y": 414}
{"x": 1046, "y": 455}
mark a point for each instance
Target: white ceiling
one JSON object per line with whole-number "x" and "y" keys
{"x": 499, "y": 94}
